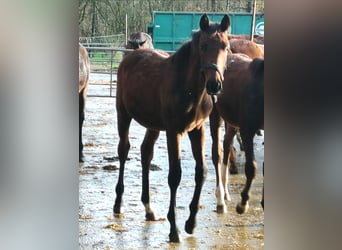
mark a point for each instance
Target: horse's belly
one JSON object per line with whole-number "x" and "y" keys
{"x": 146, "y": 115}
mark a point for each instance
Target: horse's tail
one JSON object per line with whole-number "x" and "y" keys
{"x": 257, "y": 68}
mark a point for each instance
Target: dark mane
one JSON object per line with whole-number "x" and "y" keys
{"x": 181, "y": 57}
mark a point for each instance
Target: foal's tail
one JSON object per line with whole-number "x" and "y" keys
{"x": 257, "y": 68}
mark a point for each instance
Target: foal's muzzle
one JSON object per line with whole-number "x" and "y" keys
{"x": 213, "y": 86}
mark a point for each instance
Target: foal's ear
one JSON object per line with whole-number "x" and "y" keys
{"x": 204, "y": 23}
{"x": 225, "y": 23}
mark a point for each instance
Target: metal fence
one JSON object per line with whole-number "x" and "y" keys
{"x": 104, "y": 60}
{"x": 105, "y": 54}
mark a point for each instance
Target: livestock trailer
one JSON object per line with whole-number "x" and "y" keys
{"x": 170, "y": 29}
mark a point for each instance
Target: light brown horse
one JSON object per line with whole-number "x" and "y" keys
{"x": 83, "y": 79}
{"x": 257, "y": 39}
{"x": 247, "y": 47}
{"x": 171, "y": 94}
{"x": 241, "y": 106}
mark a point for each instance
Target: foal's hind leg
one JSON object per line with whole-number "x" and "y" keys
{"x": 229, "y": 150}
{"x": 197, "y": 145}
{"x": 81, "y": 119}
{"x": 147, "y": 147}
{"x": 238, "y": 138}
{"x": 123, "y": 121}
{"x": 263, "y": 171}
{"x": 216, "y": 154}
{"x": 250, "y": 169}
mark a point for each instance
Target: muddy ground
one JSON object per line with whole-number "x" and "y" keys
{"x": 98, "y": 229}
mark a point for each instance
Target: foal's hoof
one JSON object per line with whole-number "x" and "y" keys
{"x": 116, "y": 209}
{"x": 81, "y": 158}
{"x": 150, "y": 217}
{"x": 240, "y": 209}
{"x": 190, "y": 227}
{"x": 174, "y": 238}
{"x": 221, "y": 209}
{"x": 233, "y": 169}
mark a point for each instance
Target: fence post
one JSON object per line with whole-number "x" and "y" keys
{"x": 253, "y": 21}
{"x": 111, "y": 74}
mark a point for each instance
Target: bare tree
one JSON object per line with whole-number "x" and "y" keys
{"x": 107, "y": 17}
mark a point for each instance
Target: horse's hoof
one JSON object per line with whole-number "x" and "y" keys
{"x": 81, "y": 158}
{"x": 240, "y": 209}
{"x": 190, "y": 227}
{"x": 150, "y": 217}
{"x": 174, "y": 238}
{"x": 116, "y": 209}
{"x": 221, "y": 209}
{"x": 262, "y": 204}
{"x": 233, "y": 170}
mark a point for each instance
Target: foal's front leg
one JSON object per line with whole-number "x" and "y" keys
{"x": 197, "y": 145}
{"x": 147, "y": 147}
{"x": 175, "y": 173}
{"x": 216, "y": 154}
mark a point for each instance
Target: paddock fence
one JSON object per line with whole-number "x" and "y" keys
{"x": 105, "y": 54}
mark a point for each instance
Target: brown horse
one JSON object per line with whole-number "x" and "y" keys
{"x": 83, "y": 78}
{"x": 171, "y": 94}
{"x": 247, "y": 47}
{"x": 241, "y": 44}
{"x": 257, "y": 39}
{"x": 241, "y": 106}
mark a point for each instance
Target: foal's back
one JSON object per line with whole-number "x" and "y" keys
{"x": 142, "y": 86}
{"x": 250, "y": 48}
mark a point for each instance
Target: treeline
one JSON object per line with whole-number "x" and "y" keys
{"x": 107, "y": 17}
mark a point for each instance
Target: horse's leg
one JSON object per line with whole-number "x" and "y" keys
{"x": 250, "y": 168}
{"x": 232, "y": 161}
{"x": 123, "y": 121}
{"x": 174, "y": 177}
{"x": 197, "y": 145}
{"x": 216, "y": 154}
{"x": 263, "y": 172}
{"x": 81, "y": 119}
{"x": 147, "y": 147}
{"x": 229, "y": 149}
{"x": 238, "y": 138}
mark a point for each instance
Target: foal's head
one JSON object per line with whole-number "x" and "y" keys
{"x": 139, "y": 40}
{"x": 213, "y": 45}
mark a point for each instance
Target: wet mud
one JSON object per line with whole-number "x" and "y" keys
{"x": 99, "y": 229}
